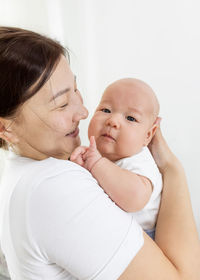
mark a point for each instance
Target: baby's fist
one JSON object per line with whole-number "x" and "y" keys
{"x": 77, "y": 155}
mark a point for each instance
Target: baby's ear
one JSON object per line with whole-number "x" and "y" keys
{"x": 151, "y": 132}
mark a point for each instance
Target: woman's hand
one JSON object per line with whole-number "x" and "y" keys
{"x": 161, "y": 152}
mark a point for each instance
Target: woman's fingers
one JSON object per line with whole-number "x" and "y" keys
{"x": 161, "y": 152}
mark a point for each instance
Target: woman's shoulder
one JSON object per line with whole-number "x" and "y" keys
{"x": 56, "y": 168}
{"x": 50, "y": 181}
{"x": 59, "y": 165}
{"x": 29, "y": 175}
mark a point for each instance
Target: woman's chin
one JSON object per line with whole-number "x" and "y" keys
{"x": 78, "y": 141}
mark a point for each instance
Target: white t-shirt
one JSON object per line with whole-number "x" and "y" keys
{"x": 56, "y": 223}
{"x": 143, "y": 164}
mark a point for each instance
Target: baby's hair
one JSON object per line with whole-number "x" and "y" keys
{"x": 145, "y": 87}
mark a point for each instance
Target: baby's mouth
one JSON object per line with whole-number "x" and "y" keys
{"x": 108, "y": 136}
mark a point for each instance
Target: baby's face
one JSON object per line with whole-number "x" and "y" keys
{"x": 123, "y": 121}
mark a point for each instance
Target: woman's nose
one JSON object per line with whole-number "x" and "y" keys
{"x": 80, "y": 114}
{"x": 81, "y": 111}
{"x": 113, "y": 121}
{"x": 84, "y": 112}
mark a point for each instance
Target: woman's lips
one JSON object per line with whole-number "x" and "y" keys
{"x": 74, "y": 133}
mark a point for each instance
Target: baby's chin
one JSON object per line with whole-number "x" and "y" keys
{"x": 114, "y": 156}
{"x": 111, "y": 156}
{"x": 109, "y": 150}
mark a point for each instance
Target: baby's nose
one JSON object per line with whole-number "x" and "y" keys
{"x": 113, "y": 121}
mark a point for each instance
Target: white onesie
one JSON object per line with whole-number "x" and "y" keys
{"x": 143, "y": 164}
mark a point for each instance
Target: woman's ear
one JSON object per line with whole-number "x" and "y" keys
{"x": 2, "y": 129}
{"x": 151, "y": 131}
{"x": 6, "y": 132}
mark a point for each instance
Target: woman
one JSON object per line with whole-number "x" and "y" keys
{"x": 56, "y": 222}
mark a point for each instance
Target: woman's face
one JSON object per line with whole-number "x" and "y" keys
{"x": 47, "y": 124}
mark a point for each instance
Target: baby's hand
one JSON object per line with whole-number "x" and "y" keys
{"x": 86, "y": 156}
{"x": 77, "y": 155}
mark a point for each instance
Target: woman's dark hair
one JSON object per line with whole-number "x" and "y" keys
{"x": 25, "y": 58}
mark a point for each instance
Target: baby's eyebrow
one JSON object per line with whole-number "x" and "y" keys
{"x": 104, "y": 102}
{"x": 135, "y": 110}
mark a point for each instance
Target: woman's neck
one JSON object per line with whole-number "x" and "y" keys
{"x": 28, "y": 152}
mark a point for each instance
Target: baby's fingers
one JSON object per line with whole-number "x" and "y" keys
{"x": 79, "y": 151}
{"x": 93, "y": 145}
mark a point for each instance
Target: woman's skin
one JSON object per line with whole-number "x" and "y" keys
{"x": 176, "y": 233}
{"x": 47, "y": 125}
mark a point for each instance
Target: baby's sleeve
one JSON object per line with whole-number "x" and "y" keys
{"x": 79, "y": 228}
{"x": 143, "y": 164}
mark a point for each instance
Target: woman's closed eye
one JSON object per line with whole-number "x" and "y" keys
{"x": 105, "y": 110}
{"x": 63, "y": 106}
{"x": 131, "y": 119}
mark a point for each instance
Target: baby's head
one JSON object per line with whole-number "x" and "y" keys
{"x": 125, "y": 119}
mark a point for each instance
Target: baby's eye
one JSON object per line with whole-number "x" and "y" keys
{"x": 131, "y": 119}
{"x": 105, "y": 110}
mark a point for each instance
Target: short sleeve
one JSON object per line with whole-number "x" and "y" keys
{"x": 76, "y": 226}
{"x": 143, "y": 164}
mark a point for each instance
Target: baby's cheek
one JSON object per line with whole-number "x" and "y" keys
{"x": 91, "y": 129}
{"x": 97, "y": 124}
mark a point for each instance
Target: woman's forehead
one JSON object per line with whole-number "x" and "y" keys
{"x": 62, "y": 79}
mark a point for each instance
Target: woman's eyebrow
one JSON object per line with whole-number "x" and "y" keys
{"x": 59, "y": 93}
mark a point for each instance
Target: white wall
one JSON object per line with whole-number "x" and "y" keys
{"x": 157, "y": 41}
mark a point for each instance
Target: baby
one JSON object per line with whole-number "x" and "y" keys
{"x": 119, "y": 132}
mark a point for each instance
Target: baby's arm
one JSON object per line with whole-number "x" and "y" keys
{"x": 129, "y": 191}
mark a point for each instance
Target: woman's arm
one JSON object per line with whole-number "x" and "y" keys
{"x": 178, "y": 254}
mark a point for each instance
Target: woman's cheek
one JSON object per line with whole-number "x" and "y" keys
{"x": 60, "y": 123}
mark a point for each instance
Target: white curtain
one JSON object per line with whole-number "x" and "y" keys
{"x": 157, "y": 41}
